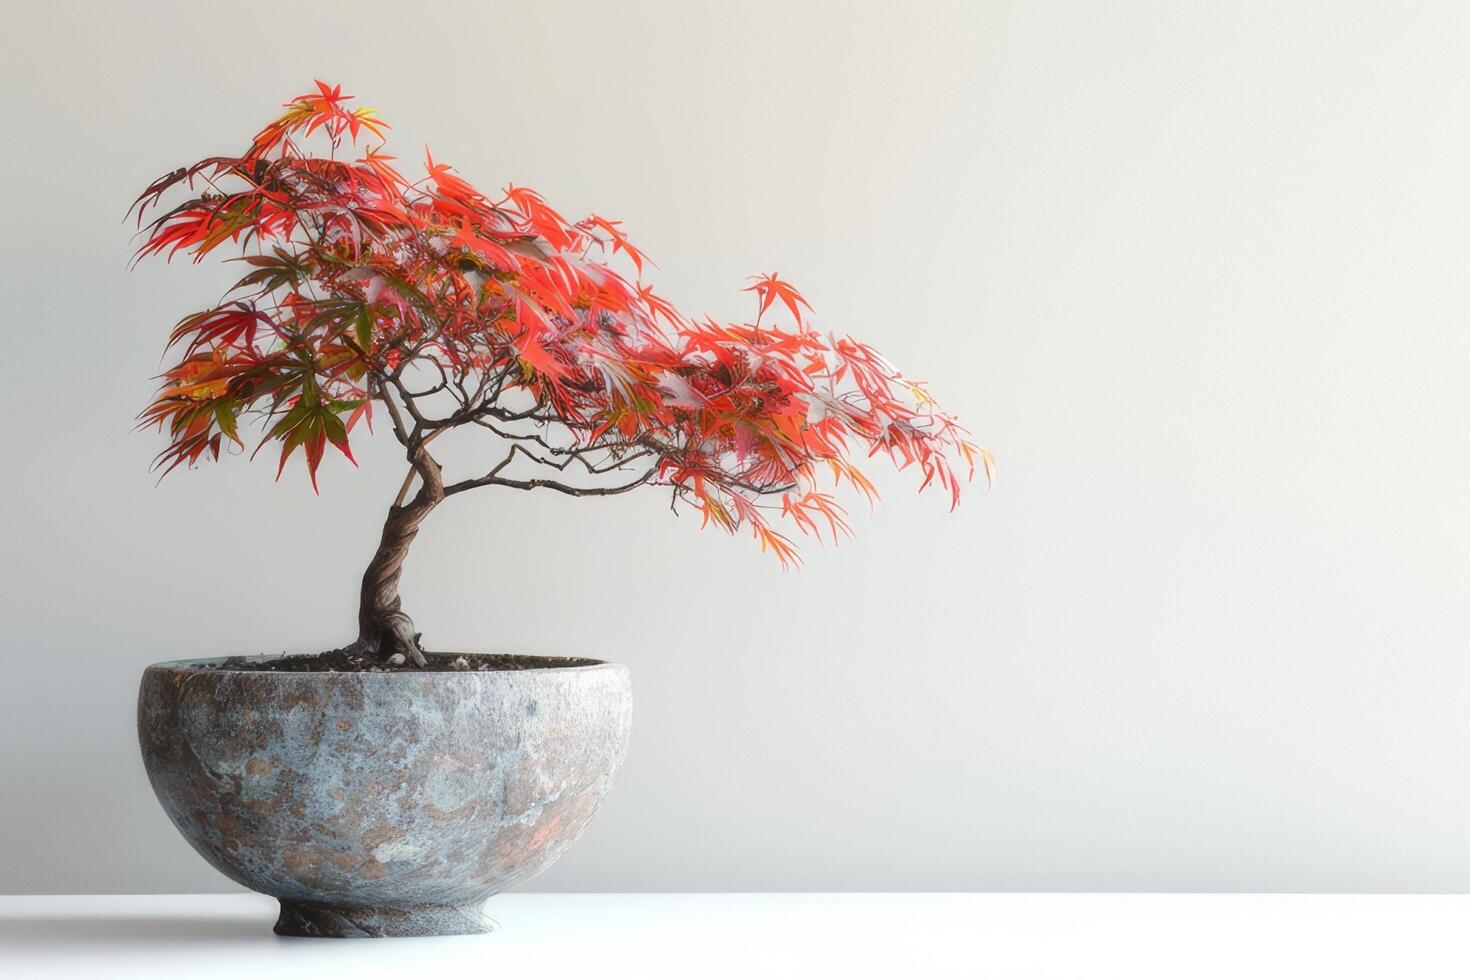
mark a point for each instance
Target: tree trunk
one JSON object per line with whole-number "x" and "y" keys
{"x": 383, "y": 628}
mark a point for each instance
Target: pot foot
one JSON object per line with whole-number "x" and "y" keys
{"x": 329, "y": 922}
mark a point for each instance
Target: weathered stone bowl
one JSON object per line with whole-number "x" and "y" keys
{"x": 383, "y": 804}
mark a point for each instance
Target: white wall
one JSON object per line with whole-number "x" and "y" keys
{"x": 1197, "y": 273}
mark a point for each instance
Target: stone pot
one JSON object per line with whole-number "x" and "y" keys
{"x": 383, "y": 804}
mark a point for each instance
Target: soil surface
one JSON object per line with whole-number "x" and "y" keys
{"x": 341, "y": 662}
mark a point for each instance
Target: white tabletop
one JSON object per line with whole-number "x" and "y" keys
{"x": 762, "y": 937}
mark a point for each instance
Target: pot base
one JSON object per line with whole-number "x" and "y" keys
{"x": 327, "y": 922}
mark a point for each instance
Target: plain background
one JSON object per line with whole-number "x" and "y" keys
{"x": 1196, "y": 273}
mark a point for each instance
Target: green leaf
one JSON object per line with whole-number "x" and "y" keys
{"x": 224, "y": 417}
{"x": 364, "y": 327}
{"x": 292, "y": 419}
{"x": 335, "y": 430}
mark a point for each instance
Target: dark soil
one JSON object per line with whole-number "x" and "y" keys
{"x": 339, "y": 661}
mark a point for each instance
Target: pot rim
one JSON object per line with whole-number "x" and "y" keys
{"x": 543, "y": 665}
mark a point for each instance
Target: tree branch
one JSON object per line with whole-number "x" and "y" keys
{"x": 399, "y": 429}
{"x": 610, "y": 447}
{"x": 494, "y": 479}
{"x": 408, "y": 403}
{"x": 571, "y": 491}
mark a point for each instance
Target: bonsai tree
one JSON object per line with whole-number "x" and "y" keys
{"x": 452, "y": 309}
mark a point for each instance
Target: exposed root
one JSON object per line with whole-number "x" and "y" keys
{"x": 392, "y": 633}
{"x": 398, "y": 636}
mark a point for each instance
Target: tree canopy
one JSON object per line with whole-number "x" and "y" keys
{"x": 448, "y": 307}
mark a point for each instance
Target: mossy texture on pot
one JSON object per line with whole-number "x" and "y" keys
{"x": 383, "y": 803}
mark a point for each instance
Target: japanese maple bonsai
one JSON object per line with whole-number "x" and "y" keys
{"x": 447, "y": 308}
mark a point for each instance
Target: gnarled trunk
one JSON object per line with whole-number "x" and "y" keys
{"x": 383, "y": 628}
